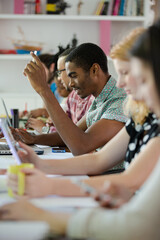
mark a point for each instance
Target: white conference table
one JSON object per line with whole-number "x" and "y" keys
{"x": 36, "y": 230}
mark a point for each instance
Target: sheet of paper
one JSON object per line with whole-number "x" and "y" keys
{"x": 53, "y": 202}
{"x": 6, "y": 161}
{"x": 56, "y": 155}
{"x": 3, "y": 183}
{"x": 26, "y": 230}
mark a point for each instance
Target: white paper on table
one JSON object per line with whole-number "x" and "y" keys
{"x": 3, "y": 183}
{"x": 56, "y": 155}
{"x": 42, "y": 146}
{"x": 6, "y": 161}
{"x": 26, "y": 230}
{"x": 53, "y": 202}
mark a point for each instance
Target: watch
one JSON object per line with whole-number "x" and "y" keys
{"x": 45, "y": 129}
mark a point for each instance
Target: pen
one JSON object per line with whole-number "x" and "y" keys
{"x": 35, "y": 52}
{"x": 91, "y": 190}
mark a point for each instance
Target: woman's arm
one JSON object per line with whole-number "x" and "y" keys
{"x": 91, "y": 164}
{"x": 138, "y": 171}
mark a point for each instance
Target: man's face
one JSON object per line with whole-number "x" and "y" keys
{"x": 62, "y": 75}
{"x": 80, "y": 80}
{"x": 61, "y": 89}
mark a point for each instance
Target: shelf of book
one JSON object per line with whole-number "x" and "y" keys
{"x": 70, "y": 17}
{"x": 53, "y": 30}
{"x": 15, "y": 57}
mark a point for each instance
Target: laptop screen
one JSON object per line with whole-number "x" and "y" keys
{"x": 7, "y": 115}
{"x": 10, "y": 140}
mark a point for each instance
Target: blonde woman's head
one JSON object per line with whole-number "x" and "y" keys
{"x": 120, "y": 50}
{"x": 119, "y": 53}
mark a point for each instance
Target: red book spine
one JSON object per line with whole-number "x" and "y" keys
{"x": 116, "y": 7}
{"x": 18, "y": 6}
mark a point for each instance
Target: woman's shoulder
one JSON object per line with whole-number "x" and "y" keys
{"x": 155, "y": 141}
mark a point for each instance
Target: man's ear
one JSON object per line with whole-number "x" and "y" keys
{"x": 52, "y": 66}
{"x": 95, "y": 68}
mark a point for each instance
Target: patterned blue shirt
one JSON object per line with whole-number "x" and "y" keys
{"x": 108, "y": 105}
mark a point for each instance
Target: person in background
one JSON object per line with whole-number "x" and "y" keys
{"x": 74, "y": 106}
{"x": 49, "y": 62}
{"x": 45, "y": 126}
{"x": 138, "y": 219}
{"x": 38, "y": 119}
{"x": 127, "y": 144}
{"x": 87, "y": 69}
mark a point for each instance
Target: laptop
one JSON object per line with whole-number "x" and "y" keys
{"x": 10, "y": 140}
{"x": 5, "y": 149}
{"x": 7, "y": 115}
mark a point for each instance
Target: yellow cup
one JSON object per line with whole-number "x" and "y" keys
{"x": 15, "y": 169}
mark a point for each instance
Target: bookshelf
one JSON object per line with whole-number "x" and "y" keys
{"x": 70, "y": 17}
{"x": 53, "y": 30}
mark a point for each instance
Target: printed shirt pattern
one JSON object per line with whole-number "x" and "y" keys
{"x": 140, "y": 135}
{"x": 77, "y": 107}
{"x": 108, "y": 105}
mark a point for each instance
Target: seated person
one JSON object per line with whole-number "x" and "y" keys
{"x": 139, "y": 219}
{"x": 75, "y": 107}
{"x": 49, "y": 62}
{"x": 127, "y": 144}
{"x": 44, "y": 126}
{"x": 87, "y": 69}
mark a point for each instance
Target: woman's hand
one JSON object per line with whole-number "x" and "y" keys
{"x": 113, "y": 195}
{"x": 23, "y": 210}
{"x": 27, "y": 155}
{"x": 36, "y": 183}
{"x": 39, "y": 112}
{"x": 35, "y": 124}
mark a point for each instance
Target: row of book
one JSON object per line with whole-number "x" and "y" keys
{"x": 120, "y": 7}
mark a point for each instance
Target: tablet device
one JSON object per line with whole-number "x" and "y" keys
{"x": 7, "y": 115}
{"x": 10, "y": 140}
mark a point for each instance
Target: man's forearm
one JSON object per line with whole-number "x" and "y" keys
{"x": 78, "y": 141}
{"x": 52, "y": 139}
{"x": 69, "y": 132}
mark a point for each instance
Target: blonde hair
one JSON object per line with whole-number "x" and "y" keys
{"x": 132, "y": 108}
{"x": 120, "y": 50}
{"x": 136, "y": 109}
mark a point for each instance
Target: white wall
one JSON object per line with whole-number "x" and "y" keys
{"x": 14, "y": 87}
{"x": 19, "y": 100}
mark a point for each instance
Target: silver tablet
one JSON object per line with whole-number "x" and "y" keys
{"x": 10, "y": 140}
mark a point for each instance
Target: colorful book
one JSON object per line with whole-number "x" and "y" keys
{"x": 125, "y": 8}
{"x": 129, "y": 8}
{"x": 105, "y": 8}
{"x": 97, "y": 8}
{"x": 110, "y": 7}
{"x": 116, "y": 7}
{"x": 100, "y": 7}
{"x": 141, "y": 7}
{"x": 121, "y": 8}
{"x": 134, "y": 8}
{"x": 18, "y": 6}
